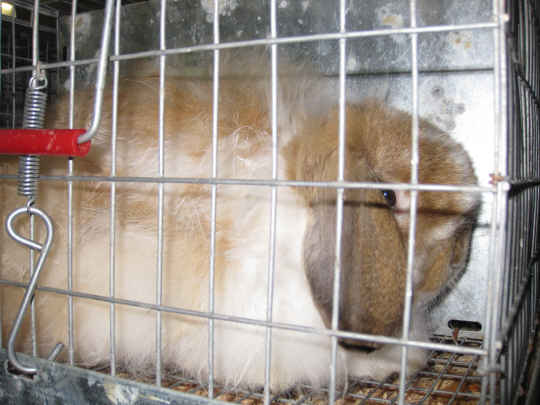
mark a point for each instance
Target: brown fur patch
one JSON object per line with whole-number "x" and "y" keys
{"x": 374, "y": 246}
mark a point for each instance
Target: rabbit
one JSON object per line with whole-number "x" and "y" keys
{"x": 374, "y": 233}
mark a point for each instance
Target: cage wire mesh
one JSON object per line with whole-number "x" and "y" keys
{"x": 17, "y": 52}
{"x": 493, "y": 366}
{"x": 518, "y": 318}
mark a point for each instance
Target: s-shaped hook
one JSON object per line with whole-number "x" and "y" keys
{"x": 43, "y": 250}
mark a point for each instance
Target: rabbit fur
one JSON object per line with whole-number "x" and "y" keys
{"x": 374, "y": 241}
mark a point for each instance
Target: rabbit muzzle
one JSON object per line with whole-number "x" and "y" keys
{"x": 359, "y": 345}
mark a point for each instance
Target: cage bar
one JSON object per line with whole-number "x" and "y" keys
{"x": 273, "y": 204}
{"x": 113, "y": 198}
{"x": 57, "y": 142}
{"x": 213, "y": 201}
{"x": 70, "y": 171}
{"x": 413, "y": 202}
{"x": 339, "y": 197}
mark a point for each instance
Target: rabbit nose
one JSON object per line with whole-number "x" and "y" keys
{"x": 359, "y": 345}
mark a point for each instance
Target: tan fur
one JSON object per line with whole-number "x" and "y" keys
{"x": 374, "y": 238}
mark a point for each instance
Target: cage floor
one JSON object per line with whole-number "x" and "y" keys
{"x": 448, "y": 378}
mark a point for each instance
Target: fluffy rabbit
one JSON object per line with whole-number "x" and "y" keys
{"x": 375, "y": 232}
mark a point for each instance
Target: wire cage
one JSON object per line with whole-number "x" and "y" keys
{"x": 470, "y": 68}
{"x": 17, "y": 52}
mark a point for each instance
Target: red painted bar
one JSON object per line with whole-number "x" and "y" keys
{"x": 53, "y": 142}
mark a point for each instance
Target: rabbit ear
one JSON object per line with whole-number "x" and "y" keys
{"x": 444, "y": 219}
{"x": 374, "y": 263}
{"x": 373, "y": 254}
{"x": 446, "y": 262}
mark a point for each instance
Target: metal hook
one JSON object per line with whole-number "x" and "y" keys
{"x": 38, "y": 82}
{"x": 44, "y": 250}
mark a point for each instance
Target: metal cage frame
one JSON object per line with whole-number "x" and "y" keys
{"x": 503, "y": 359}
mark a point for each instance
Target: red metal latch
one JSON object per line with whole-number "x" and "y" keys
{"x": 57, "y": 142}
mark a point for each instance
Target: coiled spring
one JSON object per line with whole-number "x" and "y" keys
{"x": 28, "y": 176}
{"x": 35, "y": 105}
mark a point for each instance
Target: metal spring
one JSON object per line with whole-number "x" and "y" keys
{"x": 35, "y": 105}
{"x": 28, "y": 176}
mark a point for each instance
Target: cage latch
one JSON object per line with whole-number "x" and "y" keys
{"x": 28, "y": 176}
{"x": 43, "y": 250}
{"x": 32, "y": 140}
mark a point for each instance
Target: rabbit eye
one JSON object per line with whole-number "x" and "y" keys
{"x": 390, "y": 197}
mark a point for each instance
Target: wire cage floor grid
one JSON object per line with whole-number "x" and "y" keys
{"x": 447, "y": 379}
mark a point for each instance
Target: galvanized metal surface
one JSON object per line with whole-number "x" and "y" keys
{"x": 189, "y": 23}
{"x": 64, "y": 385}
{"x": 60, "y": 384}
